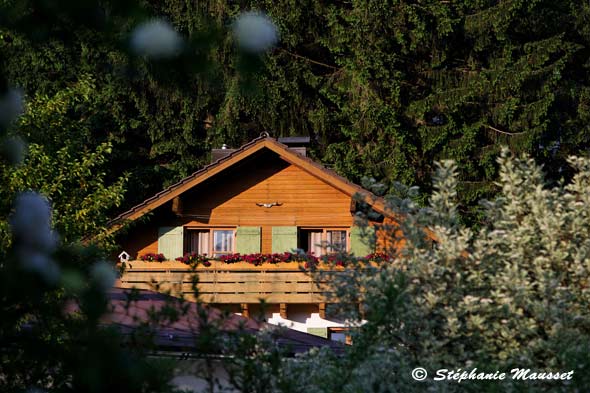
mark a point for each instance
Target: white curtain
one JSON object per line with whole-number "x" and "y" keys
{"x": 315, "y": 243}
{"x": 223, "y": 241}
{"x": 198, "y": 241}
{"x": 202, "y": 243}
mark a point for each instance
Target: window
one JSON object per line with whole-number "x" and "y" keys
{"x": 336, "y": 241}
{"x": 339, "y": 334}
{"x": 223, "y": 242}
{"x": 197, "y": 241}
{"x": 214, "y": 242}
{"x": 323, "y": 241}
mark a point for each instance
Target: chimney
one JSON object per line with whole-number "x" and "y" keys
{"x": 217, "y": 154}
{"x": 296, "y": 143}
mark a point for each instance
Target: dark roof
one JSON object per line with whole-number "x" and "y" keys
{"x": 181, "y": 334}
{"x": 254, "y": 145}
{"x": 216, "y": 154}
{"x": 288, "y": 140}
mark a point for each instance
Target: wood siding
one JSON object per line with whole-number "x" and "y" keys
{"x": 140, "y": 239}
{"x": 229, "y": 284}
{"x": 230, "y": 200}
{"x": 389, "y": 237}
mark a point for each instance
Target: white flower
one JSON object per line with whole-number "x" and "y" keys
{"x": 103, "y": 275}
{"x": 11, "y": 106}
{"x": 40, "y": 263}
{"x": 31, "y": 222}
{"x": 156, "y": 39}
{"x": 35, "y": 390}
{"x": 255, "y": 32}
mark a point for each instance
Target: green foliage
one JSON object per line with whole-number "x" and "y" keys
{"x": 513, "y": 293}
{"x": 52, "y": 336}
{"x": 383, "y": 88}
{"x": 75, "y": 183}
{"x": 52, "y": 296}
{"x": 66, "y": 163}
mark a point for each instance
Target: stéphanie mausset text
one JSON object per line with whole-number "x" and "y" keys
{"x": 522, "y": 374}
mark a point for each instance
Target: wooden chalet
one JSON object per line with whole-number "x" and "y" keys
{"x": 265, "y": 197}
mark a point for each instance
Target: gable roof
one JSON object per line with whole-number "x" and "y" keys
{"x": 263, "y": 142}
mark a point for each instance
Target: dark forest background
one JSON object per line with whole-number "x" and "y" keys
{"x": 383, "y": 88}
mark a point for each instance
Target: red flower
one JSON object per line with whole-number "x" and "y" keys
{"x": 151, "y": 257}
{"x": 193, "y": 258}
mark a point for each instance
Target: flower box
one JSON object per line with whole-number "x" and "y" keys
{"x": 251, "y": 262}
{"x": 215, "y": 265}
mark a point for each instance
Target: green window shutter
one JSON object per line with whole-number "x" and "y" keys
{"x": 322, "y": 332}
{"x": 170, "y": 241}
{"x": 248, "y": 240}
{"x": 284, "y": 239}
{"x": 362, "y": 241}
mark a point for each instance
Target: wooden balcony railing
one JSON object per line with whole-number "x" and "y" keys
{"x": 228, "y": 283}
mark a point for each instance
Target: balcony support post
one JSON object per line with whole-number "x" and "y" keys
{"x": 245, "y": 310}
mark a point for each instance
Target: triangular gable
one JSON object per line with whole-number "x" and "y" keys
{"x": 306, "y": 164}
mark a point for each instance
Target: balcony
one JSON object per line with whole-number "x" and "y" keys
{"x": 223, "y": 283}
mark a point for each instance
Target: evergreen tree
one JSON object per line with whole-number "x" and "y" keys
{"x": 383, "y": 88}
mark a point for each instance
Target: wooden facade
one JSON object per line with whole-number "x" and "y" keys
{"x": 265, "y": 189}
{"x": 230, "y": 201}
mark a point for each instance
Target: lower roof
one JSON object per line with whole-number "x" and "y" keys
{"x": 131, "y": 309}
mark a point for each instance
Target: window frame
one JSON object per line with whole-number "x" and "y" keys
{"x": 346, "y": 239}
{"x": 212, "y": 242}
{"x": 325, "y": 230}
{"x": 211, "y": 245}
{"x": 187, "y": 240}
